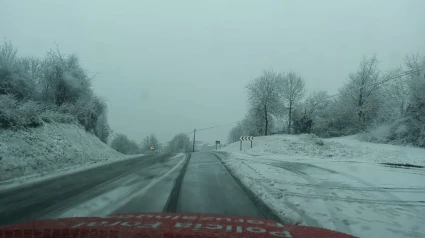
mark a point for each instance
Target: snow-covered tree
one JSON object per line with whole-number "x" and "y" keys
{"x": 264, "y": 97}
{"x": 235, "y": 133}
{"x": 8, "y": 54}
{"x": 64, "y": 81}
{"x": 57, "y": 86}
{"x": 180, "y": 143}
{"x": 293, "y": 89}
{"x": 150, "y": 141}
{"x": 415, "y": 115}
{"x": 123, "y": 144}
{"x": 102, "y": 129}
{"x": 13, "y": 78}
{"x": 307, "y": 114}
{"x": 362, "y": 91}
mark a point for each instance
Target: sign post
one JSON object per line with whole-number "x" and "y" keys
{"x": 217, "y": 142}
{"x": 194, "y": 132}
{"x": 152, "y": 149}
{"x": 246, "y": 138}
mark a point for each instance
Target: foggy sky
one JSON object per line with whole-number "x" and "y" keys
{"x": 171, "y": 66}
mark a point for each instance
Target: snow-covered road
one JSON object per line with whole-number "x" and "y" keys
{"x": 336, "y": 184}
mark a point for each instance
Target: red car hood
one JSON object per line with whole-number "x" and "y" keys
{"x": 166, "y": 225}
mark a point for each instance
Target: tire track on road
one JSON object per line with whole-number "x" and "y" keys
{"x": 173, "y": 199}
{"x": 35, "y": 200}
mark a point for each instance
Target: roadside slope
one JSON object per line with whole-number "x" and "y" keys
{"x": 51, "y": 147}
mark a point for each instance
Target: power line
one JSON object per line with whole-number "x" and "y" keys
{"x": 206, "y": 128}
{"x": 405, "y": 73}
{"x": 382, "y": 81}
{"x": 211, "y": 127}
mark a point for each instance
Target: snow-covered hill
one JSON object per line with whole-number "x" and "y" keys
{"x": 51, "y": 147}
{"x": 339, "y": 183}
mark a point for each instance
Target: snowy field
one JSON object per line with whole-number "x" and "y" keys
{"x": 337, "y": 183}
{"x": 32, "y": 154}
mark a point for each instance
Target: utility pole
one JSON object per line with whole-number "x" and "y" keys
{"x": 194, "y": 132}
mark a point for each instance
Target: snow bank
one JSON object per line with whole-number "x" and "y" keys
{"x": 342, "y": 149}
{"x": 52, "y": 147}
{"x": 337, "y": 183}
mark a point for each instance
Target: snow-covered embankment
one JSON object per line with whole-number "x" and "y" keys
{"x": 37, "y": 152}
{"x": 339, "y": 183}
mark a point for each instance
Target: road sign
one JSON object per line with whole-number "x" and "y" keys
{"x": 217, "y": 142}
{"x": 152, "y": 148}
{"x": 246, "y": 138}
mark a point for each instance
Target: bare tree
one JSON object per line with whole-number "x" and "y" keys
{"x": 264, "y": 96}
{"x": 293, "y": 89}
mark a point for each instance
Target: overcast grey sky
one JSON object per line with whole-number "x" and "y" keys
{"x": 170, "y": 66}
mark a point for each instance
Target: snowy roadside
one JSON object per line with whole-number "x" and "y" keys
{"x": 49, "y": 151}
{"x": 336, "y": 183}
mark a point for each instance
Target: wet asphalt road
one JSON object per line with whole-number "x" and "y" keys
{"x": 196, "y": 182}
{"x": 208, "y": 188}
